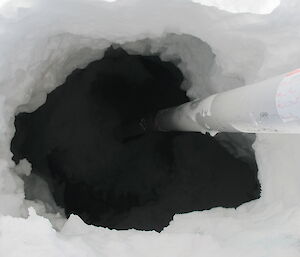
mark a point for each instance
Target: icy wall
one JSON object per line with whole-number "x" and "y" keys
{"x": 43, "y": 41}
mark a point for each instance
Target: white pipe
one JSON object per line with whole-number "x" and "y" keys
{"x": 270, "y": 106}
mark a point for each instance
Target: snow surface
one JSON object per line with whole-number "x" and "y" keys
{"x": 42, "y": 41}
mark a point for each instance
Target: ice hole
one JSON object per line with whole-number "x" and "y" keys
{"x": 140, "y": 183}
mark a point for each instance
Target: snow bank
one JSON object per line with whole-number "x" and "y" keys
{"x": 43, "y": 41}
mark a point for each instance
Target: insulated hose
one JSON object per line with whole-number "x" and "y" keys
{"x": 269, "y": 106}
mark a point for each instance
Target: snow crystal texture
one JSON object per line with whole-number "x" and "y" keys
{"x": 42, "y": 41}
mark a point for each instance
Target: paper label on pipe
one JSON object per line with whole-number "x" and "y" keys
{"x": 288, "y": 97}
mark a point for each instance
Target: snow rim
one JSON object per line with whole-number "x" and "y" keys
{"x": 175, "y": 48}
{"x": 264, "y": 226}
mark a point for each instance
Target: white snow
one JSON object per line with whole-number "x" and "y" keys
{"x": 42, "y": 41}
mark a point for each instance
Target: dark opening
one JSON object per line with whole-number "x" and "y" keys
{"x": 138, "y": 183}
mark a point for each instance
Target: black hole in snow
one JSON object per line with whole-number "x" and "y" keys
{"x": 142, "y": 182}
